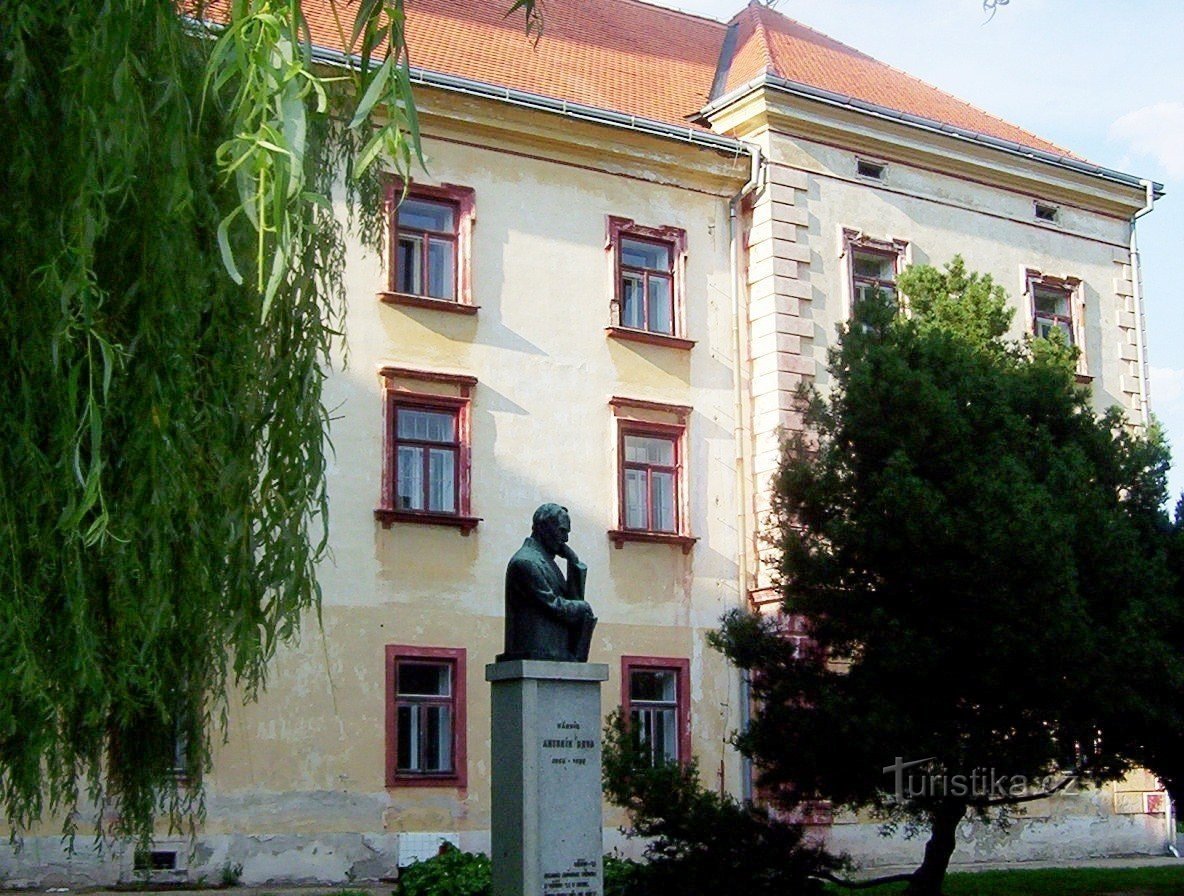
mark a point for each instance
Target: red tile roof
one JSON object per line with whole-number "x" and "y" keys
{"x": 640, "y": 59}
{"x": 771, "y": 42}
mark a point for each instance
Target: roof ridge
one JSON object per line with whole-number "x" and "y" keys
{"x": 913, "y": 78}
{"x": 652, "y": 4}
{"x": 758, "y": 31}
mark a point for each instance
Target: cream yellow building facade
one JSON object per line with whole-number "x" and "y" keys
{"x": 555, "y": 380}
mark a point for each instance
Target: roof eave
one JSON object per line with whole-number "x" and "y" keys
{"x": 539, "y": 102}
{"x": 767, "y": 80}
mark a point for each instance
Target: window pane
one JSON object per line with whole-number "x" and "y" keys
{"x": 640, "y": 721}
{"x": 635, "y": 510}
{"x": 1044, "y": 328}
{"x": 426, "y": 426}
{"x": 407, "y": 724}
{"x": 662, "y": 497}
{"x": 632, "y": 309}
{"x": 437, "y": 739}
{"x": 441, "y": 275}
{"x": 649, "y": 450}
{"x": 409, "y": 479}
{"x": 661, "y": 311}
{"x": 409, "y": 277}
{"x": 655, "y": 731}
{"x": 1049, "y": 301}
{"x": 422, "y": 214}
{"x": 653, "y": 685}
{"x": 665, "y": 742}
{"x": 424, "y": 679}
{"x": 441, "y": 480}
{"x": 636, "y": 254}
{"x": 873, "y": 266}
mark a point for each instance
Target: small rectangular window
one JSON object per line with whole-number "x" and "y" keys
{"x": 872, "y": 271}
{"x": 155, "y": 860}
{"x": 427, "y": 450}
{"x": 647, "y": 268}
{"x": 1053, "y": 310}
{"x": 656, "y": 707}
{"x": 431, "y": 238}
{"x": 647, "y": 300}
{"x": 873, "y": 170}
{"x": 426, "y": 263}
{"x": 425, "y": 716}
{"x": 1046, "y": 212}
{"x": 651, "y": 482}
{"x": 426, "y": 476}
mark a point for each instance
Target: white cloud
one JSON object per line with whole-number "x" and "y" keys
{"x": 1156, "y": 131}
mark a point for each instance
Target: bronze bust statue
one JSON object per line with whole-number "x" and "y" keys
{"x": 547, "y": 617}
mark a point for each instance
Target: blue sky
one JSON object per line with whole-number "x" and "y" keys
{"x": 1103, "y": 78}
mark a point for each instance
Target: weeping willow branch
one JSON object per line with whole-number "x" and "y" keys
{"x": 163, "y": 505}
{"x": 170, "y": 288}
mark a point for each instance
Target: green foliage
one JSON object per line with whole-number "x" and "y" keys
{"x": 981, "y": 557}
{"x": 700, "y": 842}
{"x": 451, "y": 873}
{"x": 163, "y": 440}
{"x": 1144, "y": 881}
{"x": 231, "y": 874}
{"x": 622, "y": 877}
{"x": 261, "y": 77}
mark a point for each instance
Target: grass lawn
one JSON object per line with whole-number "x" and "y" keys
{"x": 1056, "y": 882}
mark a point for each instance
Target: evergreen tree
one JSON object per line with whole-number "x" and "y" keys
{"x": 982, "y": 561}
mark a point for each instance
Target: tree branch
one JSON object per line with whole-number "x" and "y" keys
{"x": 1027, "y": 798}
{"x": 864, "y": 884}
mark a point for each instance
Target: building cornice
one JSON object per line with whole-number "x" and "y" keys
{"x": 773, "y": 101}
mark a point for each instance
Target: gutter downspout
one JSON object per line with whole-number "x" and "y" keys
{"x": 1140, "y": 322}
{"x": 1144, "y": 395}
{"x": 739, "y": 382}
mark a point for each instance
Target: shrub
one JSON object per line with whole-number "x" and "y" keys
{"x": 450, "y": 873}
{"x": 702, "y": 843}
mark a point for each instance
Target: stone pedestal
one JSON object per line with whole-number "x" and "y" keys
{"x": 547, "y": 818}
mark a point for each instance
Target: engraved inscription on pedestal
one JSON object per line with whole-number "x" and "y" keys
{"x": 546, "y": 778}
{"x": 578, "y": 880}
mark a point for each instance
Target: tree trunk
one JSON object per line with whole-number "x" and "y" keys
{"x": 927, "y": 879}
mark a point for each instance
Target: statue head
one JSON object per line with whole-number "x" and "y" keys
{"x": 550, "y": 526}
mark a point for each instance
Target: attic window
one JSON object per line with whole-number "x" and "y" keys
{"x": 873, "y": 170}
{"x": 1046, "y": 212}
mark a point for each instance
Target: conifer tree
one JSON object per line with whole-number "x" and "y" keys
{"x": 983, "y": 563}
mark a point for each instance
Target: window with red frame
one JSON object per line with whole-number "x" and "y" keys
{"x": 427, "y": 452}
{"x": 426, "y": 248}
{"x": 431, "y": 238}
{"x": 426, "y": 456}
{"x": 648, "y": 265}
{"x": 425, "y": 716}
{"x": 872, "y": 270}
{"x": 872, "y": 266}
{"x": 647, "y": 285}
{"x": 1052, "y": 309}
{"x": 656, "y": 706}
{"x": 649, "y": 480}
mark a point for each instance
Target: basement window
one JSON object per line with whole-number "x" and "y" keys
{"x": 155, "y": 860}
{"x": 870, "y": 170}
{"x": 1046, "y": 212}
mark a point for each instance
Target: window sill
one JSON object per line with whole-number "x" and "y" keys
{"x": 427, "y": 781}
{"x": 631, "y": 335}
{"x": 466, "y": 524}
{"x": 1083, "y": 379}
{"x": 619, "y": 536}
{"x": 405, "y": 298}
